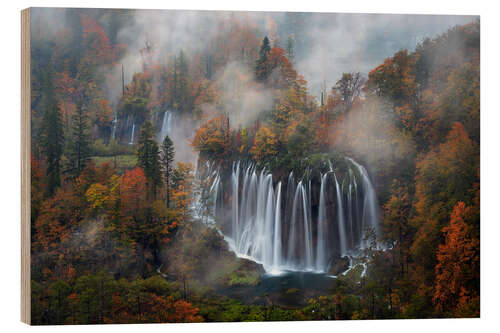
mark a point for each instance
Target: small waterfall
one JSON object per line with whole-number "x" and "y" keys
{"x": 166, "y": 126}
{"x": 131, "y": 142}
{"x": 276, "y": 227}
{"x": 113, "y": 130}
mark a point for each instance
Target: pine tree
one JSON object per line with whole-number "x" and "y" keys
{"x": 262, "y": 66}
{"x": 52, "y": 135}
{"x": 167, "y": 159}
{"x": 183, "y": 83}
{"x": 148, "y": 157}
{"x": 174, "y": 89}
{"x": 290, "y": 53}
{"x": 79, "y": 150}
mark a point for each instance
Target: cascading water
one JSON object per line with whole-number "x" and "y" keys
{"x": 131, "y": 142}
{"x": 370, "y": 214}
{"x": 321, "y": 238}
{"x": 113, "y": 130}
{"x": 340, "y": 218}
{"x": 277, "y": 231}
{"x": 285, "y": 230}
{"x": 166, "y": 126}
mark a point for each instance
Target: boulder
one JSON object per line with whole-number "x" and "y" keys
{"x": 338, "y": 266}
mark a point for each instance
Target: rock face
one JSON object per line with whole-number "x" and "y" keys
{"x": 339, "y": 265}
{"x": 248, "y": 273}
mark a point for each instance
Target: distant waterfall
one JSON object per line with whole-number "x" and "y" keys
{"x": 283, "y": 229}
{"x": 131, "y": 142}
{"x": 166, "y": 126}
{"x": 113, "y": 130}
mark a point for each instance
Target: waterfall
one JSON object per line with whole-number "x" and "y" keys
{"x": 113, "y": 130}
{"x": 370, "y": 213}
{"x": 349, "y": 210}
{"x": 166, "y": 126}
{"x": 132, "y": 135}
{"x": 306, "y": 199}
{"x": 277, "y": 231}
{"x": 282, "y": 228}
{"x": 235, "y": 177}
{"x": 320, "y": 242}
{"x": 292, "y": 241}
{"x": 340, "y": 219}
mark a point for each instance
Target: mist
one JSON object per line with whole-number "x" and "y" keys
{"x": 325, "y": 46}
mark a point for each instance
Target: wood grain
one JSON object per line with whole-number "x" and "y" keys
{"x": 25, "y": 168}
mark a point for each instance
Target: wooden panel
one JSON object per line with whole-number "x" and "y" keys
{"x": 25, "y": 168}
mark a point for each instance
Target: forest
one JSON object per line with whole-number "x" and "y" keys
{"x": 211, "y": 183}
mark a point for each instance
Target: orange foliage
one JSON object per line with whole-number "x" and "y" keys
{"x": 213, "y": 138}
{"x": 133, "y": 192}
{"x": 457, "y": 270}
{"x": 57, "y": 215}
{"x": 283, "y": 75}
{"x": 164, "y": 309}
{"x": 264, "y": 147}
{"x": 98, "y": 49}
{"x": 394, "y": 78}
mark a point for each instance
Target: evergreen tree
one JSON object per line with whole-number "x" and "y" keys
{"x": 79, "y": 150}
{"x": 173, "y": 94}
{"x": 52, "y": 135}
{"x": 290, "y": 53}
{"x": 167, "y": 160}
{"x": 148, "y": 157}
{"x": 183, "y": 83}
{"x": 262, "y": 66}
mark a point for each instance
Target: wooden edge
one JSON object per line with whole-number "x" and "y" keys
{"x": 25, "y": 167}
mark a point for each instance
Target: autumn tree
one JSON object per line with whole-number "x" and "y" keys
{"x": 349, "y": 87}
{"x": 264, "y": 147}
{"x": 457, "y": 270}
{"x": 212, "y": 139}
{"x": 444, "y": 176}
{"x": 394, "y": 79}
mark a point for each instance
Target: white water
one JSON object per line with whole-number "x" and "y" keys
{"x": 132, "y": 135}
{"x": 321, "y": 238}
{"x": 113, "y": 131}
{"x": 277, "y": 231}
{"x": 370, "y": 214}
{"x": 340, "y": 219}
{"x": 166, "y": 126}
{"x": 276, "y": 228}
